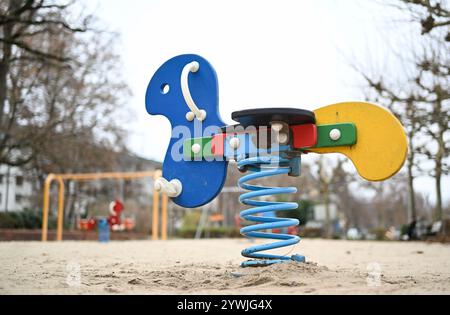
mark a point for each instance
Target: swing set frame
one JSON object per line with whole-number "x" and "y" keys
{"x": 60, "y": 178}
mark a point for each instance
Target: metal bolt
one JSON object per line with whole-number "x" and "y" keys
{"x": 196, "y": 148}
{"x": 190, "y": 116}
{"x": 282, "y": 138}
{"x": 335, "y": 134}
{"x": 277, "y": 126}
{"x": 235, "y": 143}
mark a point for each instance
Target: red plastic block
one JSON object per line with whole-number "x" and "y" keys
{"x": 305, "y": 136}
{"x": 218, "y": 144}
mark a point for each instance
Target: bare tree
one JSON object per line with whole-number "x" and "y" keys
{"x": 420, "y": 99}
{"x": 64, "y": 91}
{"x": 433, "y": 81}
{"x": 21, "y": 22}
{"x": 61, "y": 92}
{"x": 433, "y": 85}
{"x": 432, "y": 15}
{"x": 401, "y": 101}
{"x": 425, "y": 115}
{"x": 86, "y": 103}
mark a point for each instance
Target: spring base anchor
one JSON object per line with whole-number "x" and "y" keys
{"x": 264, "y": 263}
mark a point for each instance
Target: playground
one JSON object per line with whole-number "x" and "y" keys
{"x": 321, "y": 167}
{"x": 188, "y": 267}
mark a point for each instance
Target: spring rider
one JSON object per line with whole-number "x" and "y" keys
{"x": 265, "y": 142}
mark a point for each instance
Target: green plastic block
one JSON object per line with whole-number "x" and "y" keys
{"x": 205, "y": 148}
{"x": 347, "y": 135}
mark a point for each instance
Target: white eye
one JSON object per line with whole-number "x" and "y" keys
{"x": 165, "y": 88}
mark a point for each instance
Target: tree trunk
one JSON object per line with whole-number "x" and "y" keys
{"x": 328, "y": 232}
{"x": 324, "y": 183}
{"x": 5, "y": 61}
{"x": 438, "y": 170}
{"x": 411, "y": 193}
{"x": 438, "y": 175}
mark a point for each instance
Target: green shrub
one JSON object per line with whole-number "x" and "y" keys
{"x": 404, "y": 229}
{"x": 26, "y": 219}
{"x": 380, "y": 233}
{"x": 7, "y": 221}
{"x": 303, "y": 213}
{"x": 191, "y": 219}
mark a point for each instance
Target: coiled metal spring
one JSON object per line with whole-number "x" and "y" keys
{"x": 260, "y": 167}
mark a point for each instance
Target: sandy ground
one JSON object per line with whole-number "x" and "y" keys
{"x": 212, "y": 267}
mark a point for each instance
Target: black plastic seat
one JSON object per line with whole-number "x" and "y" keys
{"x": 264, "y": 116}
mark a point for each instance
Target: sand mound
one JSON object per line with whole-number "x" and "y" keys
{"x": 212, "y": 266}
{"x": 193, "y": 277}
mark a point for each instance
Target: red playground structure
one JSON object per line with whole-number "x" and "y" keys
{"x": 115, "y": 220}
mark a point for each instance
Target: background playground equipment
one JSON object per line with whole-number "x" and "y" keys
{"x": 116, "y": 221}
{"x": 60, "y": 178}
{"x": 115, "y": 216}
{"x": 266, "y": 142}
{"x": 103, "y": 230}
{"x": 87, "y": 224}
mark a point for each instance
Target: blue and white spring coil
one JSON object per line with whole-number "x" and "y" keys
{"x": 260, "y": 167}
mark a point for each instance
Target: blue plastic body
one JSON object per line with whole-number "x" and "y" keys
{"x": 201, "y": 180}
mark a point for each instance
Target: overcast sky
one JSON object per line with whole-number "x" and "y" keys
{"x": 266, "y": 53}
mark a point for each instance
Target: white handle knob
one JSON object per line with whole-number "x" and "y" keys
{"x": 171, "y": 189}
{"x": 200, "y": 114}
